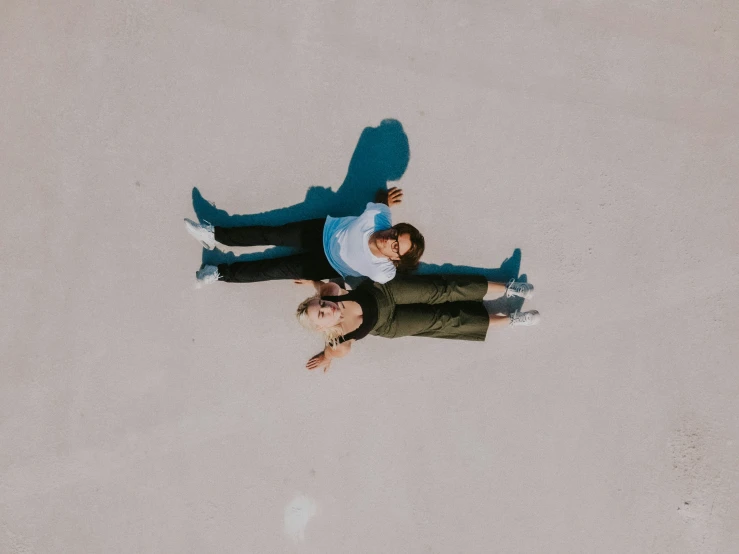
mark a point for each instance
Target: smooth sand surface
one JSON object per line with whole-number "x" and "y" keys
{"x": 138, "y": 414}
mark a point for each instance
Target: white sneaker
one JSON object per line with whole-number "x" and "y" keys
{"x": 525, "y": 318}
{"x": 522, "y": 290}
{"x": 204, "y": 234}
{"x": 207, "y": 275}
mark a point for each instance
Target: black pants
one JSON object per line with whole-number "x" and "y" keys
{"x": 305, "y": 235}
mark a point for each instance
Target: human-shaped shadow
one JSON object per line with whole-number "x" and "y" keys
{"x": 381, "y": 155}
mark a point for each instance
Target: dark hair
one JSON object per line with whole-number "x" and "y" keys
{"x": 410, "y": 259}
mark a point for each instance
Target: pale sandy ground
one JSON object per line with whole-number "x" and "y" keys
{"x": 138, "y": 414}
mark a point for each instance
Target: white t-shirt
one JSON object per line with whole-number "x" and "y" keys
{"x": 346, "y": 244}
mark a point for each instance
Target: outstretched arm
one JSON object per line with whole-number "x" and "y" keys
{"x": 323, "y": 359}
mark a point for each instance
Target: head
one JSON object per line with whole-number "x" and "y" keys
{"x": 402, "y": 244}
{"x": 323, "y": 316}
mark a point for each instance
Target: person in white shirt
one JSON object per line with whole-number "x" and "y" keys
{"x": 368, "y": 245}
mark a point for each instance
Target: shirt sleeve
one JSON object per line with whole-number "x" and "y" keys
{"x": 373, "y": 210}
{"x": 388, "y": 274}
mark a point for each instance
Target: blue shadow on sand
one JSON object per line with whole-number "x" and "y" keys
{"x": 381, "y": 155}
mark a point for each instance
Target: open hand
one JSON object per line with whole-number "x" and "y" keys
{"x": 319, "y": 361}
{"x": 394, "y": 196}
{"x": 390, "y": 197}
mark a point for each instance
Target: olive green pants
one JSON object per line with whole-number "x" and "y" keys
{"x": 439, "y": 306}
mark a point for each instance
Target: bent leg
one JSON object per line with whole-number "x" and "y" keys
{"x": 437, "y": 289}
{"x": 307, "y": 235}
{"x": 452, "y": 320}
{"x": 307, "y": 265}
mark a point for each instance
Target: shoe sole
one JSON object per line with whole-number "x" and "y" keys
{"x": 528, "y": 296}
{"x": 188, "y": 224}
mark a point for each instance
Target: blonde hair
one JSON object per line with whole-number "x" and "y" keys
{"x": 331, "y": 335}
